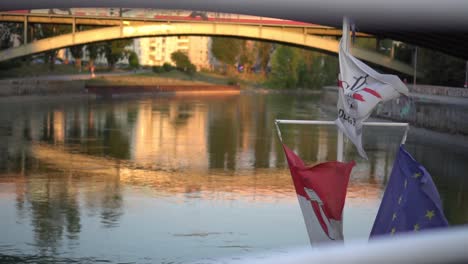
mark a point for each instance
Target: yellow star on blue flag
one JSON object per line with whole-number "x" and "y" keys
{"x": 412, "y": 196}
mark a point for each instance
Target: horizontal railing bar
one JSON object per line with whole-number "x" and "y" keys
{"x": 152, "y": 19}
{"x": 431, "y": 246}
{"x": 327, "y": 122}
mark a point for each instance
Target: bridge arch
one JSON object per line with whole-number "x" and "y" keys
{"x": 276, "y": 34}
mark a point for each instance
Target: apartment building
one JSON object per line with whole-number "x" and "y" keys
{"x": 156, "y": 51}
{"x": 199, "y": 52}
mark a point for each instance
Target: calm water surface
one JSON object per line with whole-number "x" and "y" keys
{"x": 180, "y": 179}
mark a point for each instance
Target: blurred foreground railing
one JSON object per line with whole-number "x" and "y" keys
{"x": 440, "y": 246}
{"x": 340, "y": 142}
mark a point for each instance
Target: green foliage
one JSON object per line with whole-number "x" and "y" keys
{"x": 437, "y": 68}
{"x": 365, "y": 43}
{"x": 226, "y": 50}
{"x": 157, "y": 69}
{"x": 316, "y": 69}
{"x": 247, "y": 56}
{"x": 331, "y": 69}
{"x": 180, "y": 59}
{"x": 441, "y": 69}
{"x": 284, "y": 67}
{"x": 183, "y": 63}
{"x": 300, "y": 68}
{"x": 41, "y": 31}
{"x": 233, "y": 81}
{"x": 9, "y": 64}
{"x": 167, "y": 67}
{"x": 263, "y": 50}
{"x": 133, "y": 60}
{"x": 7, "y": 29}
{"x": 77, "y": 51}
{"x": 404, "y": 52}
{"x": 94, "y": 49}
{"x": 305, "y": 73}
{"x": 115, "y": 50}
{"x": 50, "y": 30}
{"x": 191, "y": 69}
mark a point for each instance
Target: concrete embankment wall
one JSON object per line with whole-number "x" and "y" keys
{"x": 58, "y": 87}
{"x": 433, "y": 112}
{"x": 126, "y": 89}
{"x": 41, "y": 87}
{"x": 439, "y": 90}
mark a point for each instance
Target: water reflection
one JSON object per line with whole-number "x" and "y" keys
{"x": 162, "y": 171}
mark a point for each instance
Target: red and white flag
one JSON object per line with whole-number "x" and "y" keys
{"x": 321, "y": 191}
{"x": 360, "y": 89}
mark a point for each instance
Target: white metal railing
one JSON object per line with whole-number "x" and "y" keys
{"x": 340, "y": 142}
{"x": 447, "y": 245}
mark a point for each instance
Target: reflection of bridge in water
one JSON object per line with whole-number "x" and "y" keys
{"x": 143, "y": 23}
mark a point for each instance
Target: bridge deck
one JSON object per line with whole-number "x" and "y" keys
{"x": 117, "y": 21}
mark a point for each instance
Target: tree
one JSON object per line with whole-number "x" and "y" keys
{"x": 404, "y": 52}
{"x": 437, "y": 68}
{"x": 226, "y": 50}
{"x": 133, "y": 60}
{"x": 8, "y": 33}
{"x": 301, "y": 68}
{"x": 182, "y": 62}
{"x": 247, "y": 55}
{"x": 77, "y": 53}
{"x": 94, "y": 49}
{"x": 167, "y": 67}
{"x": 284, "y": 67}
{"x": 115, "y": 50}
{"x": 316, "y": 70}
{"x": 441, "y": 69}
{"x": 46, "y": 31}
{"x": 263, "y": 54}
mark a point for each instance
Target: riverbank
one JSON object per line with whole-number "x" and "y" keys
{"x": 154, "y": 79}
{"x": 78, "y": 83}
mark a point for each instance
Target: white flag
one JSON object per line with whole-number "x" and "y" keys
{"x": 360, "y": 89}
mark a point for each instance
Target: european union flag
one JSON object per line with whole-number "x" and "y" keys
{"x": 410, "y": 202}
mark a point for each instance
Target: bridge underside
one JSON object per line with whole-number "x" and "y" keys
{"x": 439, "y": 25}
{"x": 276, "y": 34}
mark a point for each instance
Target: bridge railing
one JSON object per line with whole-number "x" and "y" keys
{"x": 157, "y": 16}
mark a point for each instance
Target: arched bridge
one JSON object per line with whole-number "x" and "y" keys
{"x": 439, "y": 25}
{"x": 276, "y": 34}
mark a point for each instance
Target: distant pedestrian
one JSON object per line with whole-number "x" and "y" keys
{"x": 91, "y": 68}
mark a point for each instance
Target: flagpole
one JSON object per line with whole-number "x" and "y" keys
{"x": 466, "y": 76}
{"x": 415, "y": 66}
{"x": 340, "y": 138}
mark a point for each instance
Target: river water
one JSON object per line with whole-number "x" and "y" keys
{"x": 178, "y": 179}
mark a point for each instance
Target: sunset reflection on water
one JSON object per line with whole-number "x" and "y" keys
{"x": 173, "y": 179}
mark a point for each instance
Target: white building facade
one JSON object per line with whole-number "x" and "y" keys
{"x": 155, "y": 51}
{"x": 199, "y": 52}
